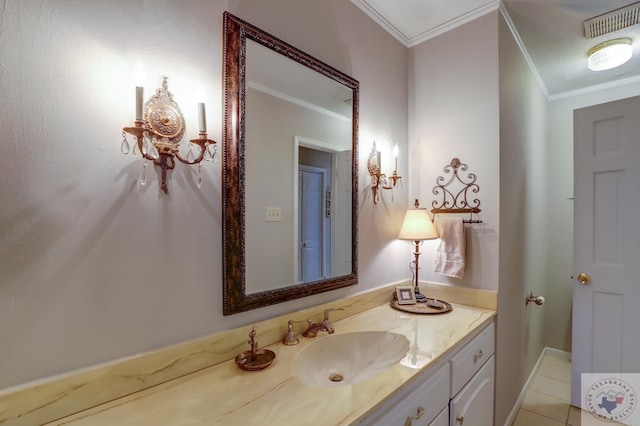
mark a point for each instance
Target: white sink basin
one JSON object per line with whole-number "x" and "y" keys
{"x": 350, "y": 358}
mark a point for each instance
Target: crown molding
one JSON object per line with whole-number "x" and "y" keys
{"x": 429, "y": 33}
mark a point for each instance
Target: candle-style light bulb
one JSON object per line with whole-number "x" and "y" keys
{"x": 202, "y": 117}
{"x": 138, "y": 79}
{"x": 395, "y": 155}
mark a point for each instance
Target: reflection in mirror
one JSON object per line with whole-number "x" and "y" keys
{"x": 289, "y": 177}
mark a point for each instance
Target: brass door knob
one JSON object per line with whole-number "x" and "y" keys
{"x": 460, "y": 419}
{"x": 584, "y": 279}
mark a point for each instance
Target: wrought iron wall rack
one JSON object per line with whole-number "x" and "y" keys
{"x": 457, "y": 202}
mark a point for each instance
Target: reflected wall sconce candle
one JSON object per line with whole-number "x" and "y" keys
{"x": 417, "y": 227}
{"x": 380, "y": 180}
{"x": 158, "y": 130}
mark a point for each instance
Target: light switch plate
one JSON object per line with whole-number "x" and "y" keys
{"x": 274, "y": 214}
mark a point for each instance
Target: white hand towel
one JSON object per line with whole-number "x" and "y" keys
{"x": 450, "y": 256}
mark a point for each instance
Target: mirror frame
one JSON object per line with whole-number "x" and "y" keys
{"x": 235, "y": 299}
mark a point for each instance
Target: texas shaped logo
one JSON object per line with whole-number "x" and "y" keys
{"x": 610, "y": 400}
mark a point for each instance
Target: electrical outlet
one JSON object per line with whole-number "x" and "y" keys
{"x": 273, "y": 214}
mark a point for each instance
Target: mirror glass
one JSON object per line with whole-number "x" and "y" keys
{"x": 289, "y": 175}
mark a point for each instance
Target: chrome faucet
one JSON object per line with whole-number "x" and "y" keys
{"x": 313, "y": 329}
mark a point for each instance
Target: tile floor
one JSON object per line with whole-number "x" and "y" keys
{"x": 547, "y": 400}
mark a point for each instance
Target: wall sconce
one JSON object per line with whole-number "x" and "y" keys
{"x": 417, "y": 227}
{"x": 380, "y": 180}
{"x": 158, "y": 131}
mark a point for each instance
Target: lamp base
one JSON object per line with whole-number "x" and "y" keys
{"x": 420, "y": 298}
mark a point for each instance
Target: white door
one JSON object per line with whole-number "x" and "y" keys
{"x": 311, "y": 231}
{"x": 606, "y": 292}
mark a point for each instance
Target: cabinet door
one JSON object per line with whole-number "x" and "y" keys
{"x": 473, "y": 406}
{"x": 442, "y": 419}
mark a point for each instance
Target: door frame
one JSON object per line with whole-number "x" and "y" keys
{"x": 301, "y": 141}
{"x": 323, "y": 231}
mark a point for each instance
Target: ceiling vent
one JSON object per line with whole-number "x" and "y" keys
{"x": 612, "y": 21}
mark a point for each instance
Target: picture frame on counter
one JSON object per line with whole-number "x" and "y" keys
{"x": 405, "y": 295}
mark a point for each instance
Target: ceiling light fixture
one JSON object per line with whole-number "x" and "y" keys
{"x": 610, "y": 54}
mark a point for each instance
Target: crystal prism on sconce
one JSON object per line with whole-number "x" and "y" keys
{"x": 380, "y": 180}
{"x": 158, "y": 132}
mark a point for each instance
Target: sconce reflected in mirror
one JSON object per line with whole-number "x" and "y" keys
{"x": 158, "y": 131}
{"x": 380, "y": 180}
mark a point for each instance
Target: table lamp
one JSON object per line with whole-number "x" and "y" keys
{"x": 417, "y": 227}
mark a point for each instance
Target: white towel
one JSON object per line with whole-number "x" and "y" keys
{"x": 450, "y": 256}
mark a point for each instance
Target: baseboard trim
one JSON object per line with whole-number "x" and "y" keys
{"x": 557, "y": 353}
{"x": 523, "y": 393}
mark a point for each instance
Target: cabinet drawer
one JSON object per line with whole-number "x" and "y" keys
{"x": 470, "y": 358}
{"x": 429, "y": 398}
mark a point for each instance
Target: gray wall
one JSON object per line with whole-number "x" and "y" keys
{"x": 94, "y": 267}
{"x": 454, "y": 105}
{"x": 472, "y": 96}
{"x": 523, "y": 214}
{"x": 271, "y": 126}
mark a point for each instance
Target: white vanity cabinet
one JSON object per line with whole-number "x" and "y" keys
{"x": 473, "y": 405}
{"x": 459, "y": 392}
{"x": 472, "y": 381}
{"x": 442, "y": 419}
{"x": 417, "y": 407}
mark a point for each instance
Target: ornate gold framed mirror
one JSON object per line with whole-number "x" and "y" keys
{"x": 290, "y": 183}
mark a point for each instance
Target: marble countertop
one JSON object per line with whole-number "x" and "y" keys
{"x": 225, "y": 395}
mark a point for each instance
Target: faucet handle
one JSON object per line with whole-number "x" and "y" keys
{"x": 326, "y": 321}
{"x": 326, "y": 312}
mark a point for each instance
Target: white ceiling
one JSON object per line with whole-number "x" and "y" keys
{"x": 551, "y": 33}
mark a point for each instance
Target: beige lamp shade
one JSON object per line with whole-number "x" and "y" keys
{"x": 417, "y": 226}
